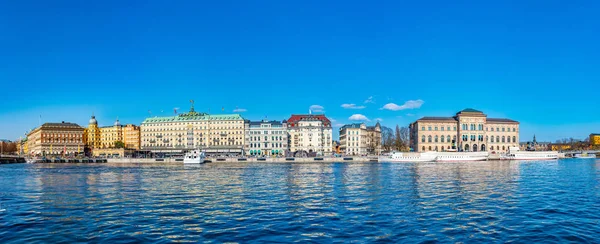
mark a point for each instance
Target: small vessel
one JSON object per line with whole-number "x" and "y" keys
{"x": 194, "y": 157}
{"x": 584, "y": 155}
{"x": 514, "y": 153}
{"x": 409, "y": 157}
{"x": 461, "y": 156}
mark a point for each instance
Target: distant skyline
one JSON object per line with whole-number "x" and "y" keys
{"x": 531, "y": 61}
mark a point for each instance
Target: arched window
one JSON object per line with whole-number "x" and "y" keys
{"x": 436, "y": 148}
{"x": 423, "y": 148}
{"x": 442, "y": 148}
{"x": 483, "y": 147}
{"x": 429, "y": 148}
{"x": 503, "y": 148}
{"x": 423, "y": 138}
{"x": 503, "y": 140}
{"x": 497, "y": 138}
{"x": 514, "y": 139}
{"x": 436, "y": 139}
{"x": 492, "y": 148}
{"x": 429, "y": 139}
{"x": 467, "y": 147}
{"x": 475, "y": 148}
{"x": 442, "y": 138}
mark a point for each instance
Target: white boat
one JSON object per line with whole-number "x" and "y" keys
{"x": 409, "y": 157}
{"x": 461, "y": 156}
{"x": 584, "y": 155}
{"x": 194, "y": 157}
{"x": 514, "y": 153}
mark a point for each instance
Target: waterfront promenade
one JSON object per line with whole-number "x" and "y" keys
{"x": 248, "y": 160}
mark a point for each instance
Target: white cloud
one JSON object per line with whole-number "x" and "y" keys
{"x": 239, "y": 110}
{"x": 410, "y": 115}
{"x": 317, "y": 109}
{"x": 410, "y": 104}
{"x": 378, "y": 119}
{"x": 351, "y": 106}
{"x": 358, "y": 117}
{"x": 370, "y": 100}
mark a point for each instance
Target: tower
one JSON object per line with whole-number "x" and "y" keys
{"x": 93, "y": 133}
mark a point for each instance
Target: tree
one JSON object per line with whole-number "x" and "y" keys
{"x": 387, "y": 138}
{"x": 405, "y": 138}
{"x": 119, "y": 144}
{"x": 398, "y": 143}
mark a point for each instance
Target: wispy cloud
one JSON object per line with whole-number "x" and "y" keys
{"x": 239, "y": 110}
{"x": 410, "y": 115}
{"x": 352, "y": 106}
{"x": 358, "y": 117}
{"x": 338, "y": 125}
{"x": 370, "y": 100}
{"x": 410, "y": 104}
{"x": 317, "y": 108}
{"x": 379, "y": 119}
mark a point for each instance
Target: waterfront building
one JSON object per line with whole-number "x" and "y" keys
{"x": 468, "y": 130}
{"x": 56, "y": 139}
{"x": 266, "y": 138}
{"x": 221, "y": 134}
{"x": 309, "y": 134}
{"x": 534, "y": 145}
{"x": 105, "y": 137}
{"x": 358, "y": 139}
{"x": 595, "y": 140}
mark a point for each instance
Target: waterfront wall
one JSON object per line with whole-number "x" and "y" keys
{"x": 249, "y": 160}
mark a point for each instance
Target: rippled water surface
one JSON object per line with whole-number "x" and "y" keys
{"x": 524, "y": 202}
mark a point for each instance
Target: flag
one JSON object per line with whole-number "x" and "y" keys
{"x": 222, "y": 108}
{"x": 175, "y": 111}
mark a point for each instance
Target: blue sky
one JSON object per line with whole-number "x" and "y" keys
{"x": 532, "y": 61}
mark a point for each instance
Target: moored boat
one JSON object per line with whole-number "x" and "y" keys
{"x": 409, "y": 157}
{"x": 514, "y": 153}
{"x": 461, "y": 156}
{"x": 194, "y": 157}
{"x": 584, "y": 155}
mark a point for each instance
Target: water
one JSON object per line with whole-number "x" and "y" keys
{"x": 483, "y": 202}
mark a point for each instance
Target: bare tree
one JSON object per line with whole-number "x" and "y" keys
{"x": 405, "y": 138}
{"x": 398, "y": 144}
{"x": 387, "y": 138}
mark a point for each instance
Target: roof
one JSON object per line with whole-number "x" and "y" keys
{"x": 295, "y": 118}
{"x": 62, "y": 124}
{"x": 193, "y": 116}
{"x": 438, "y": 119}
{"x": 499, "y": 120}
{"x": 470, "y": 110}
{"x": 272, "y": 122}
{"x": 351, "y": 126}
{"x": 594, "y": 134}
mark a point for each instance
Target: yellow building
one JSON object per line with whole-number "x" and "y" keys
{"x": 55, "y": 139}
{"x": 106, "y": 136}
{"x": 468, "y": 130}
{"x": 595, "y": 140}
{"x": 215, "y": 134}
{"x": 560, "y": 147}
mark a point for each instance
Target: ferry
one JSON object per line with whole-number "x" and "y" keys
{"x": 584, "y": 155}
{"x": 194, "y": 157}
{"x": 450, "y": 156}
{"x": 514, "y": 153}
{"x": 409, "y": 157}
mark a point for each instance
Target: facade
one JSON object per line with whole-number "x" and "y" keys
{"x": 266, "y": 138}
{"x": 358, "y": 139}
{"x": 56, "y": 139}
{"x": 215, "y": 134}
{"x": 534, "y": 145}
{"x": 105, "y": 137}
{"x": 469, "y": 130}
{"x": 595, "y": 140}
{"x": 309, "y": 134}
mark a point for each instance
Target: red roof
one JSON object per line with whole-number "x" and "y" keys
{"x": 293, "y": 121}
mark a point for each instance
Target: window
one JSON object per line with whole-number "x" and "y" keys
{"x": 442, "y": 128}
{"x": 429, "y": 139}
{"x": 436, "y": 138}
{"x": 423, "y": 128}
{"x": 448, "y": 138}
{"x": 436, "y": 128}
{"x": 429, "y": 148}
{"x": 497, "y": 138}
{"x": 503, "y": 140}
{"x": 503, "y": 129}
{"x": 422, "y": 138}
{"x": 423, "y": 148}
{"x": 429, "y": 128}
{"x": 514, "y": 139}
{"x": 442, "y": 138}
{"x": 492, "y": 138}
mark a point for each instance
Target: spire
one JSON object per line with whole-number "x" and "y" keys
{"x": 192, "y": 108}
{"x": 534, "y": 140}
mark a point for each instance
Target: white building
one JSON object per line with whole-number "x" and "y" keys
{"x": 359, "y": 139}
{"x": 309, "y": 134}
{"x": 266, "y": 138}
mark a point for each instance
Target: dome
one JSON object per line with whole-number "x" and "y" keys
{"x": 117, "y": 123}
{"x": 93, "y": 120}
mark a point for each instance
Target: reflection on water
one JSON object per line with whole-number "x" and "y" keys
{"x": 551, "y": 201}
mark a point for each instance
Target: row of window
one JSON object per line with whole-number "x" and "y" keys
{"x": 266, "y": 145}
{"x": 273, "y": 138}
{"x": 473, "y": 127}
{"x": 436, "y": 139}
{"x": 266, "y": 132}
